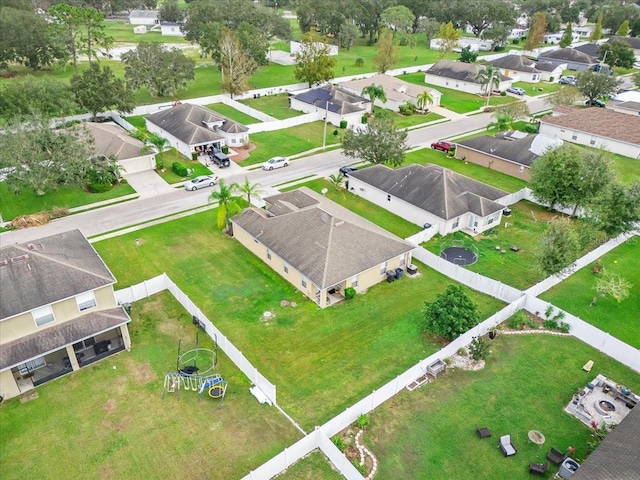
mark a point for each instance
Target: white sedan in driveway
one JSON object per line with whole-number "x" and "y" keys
{"x": 516, "y": 90}
{"x": 200, "y": 182}
{"x": 275, "y": 162}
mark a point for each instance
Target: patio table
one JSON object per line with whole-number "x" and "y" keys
{"x": 536, "y": 437}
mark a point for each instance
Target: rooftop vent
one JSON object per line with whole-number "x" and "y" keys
{"x": 31, "y": 246}
{"x": 340, "y": 223}
{"x": 19, "y": 258}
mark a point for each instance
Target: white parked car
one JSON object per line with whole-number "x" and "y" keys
{"x": 201, "y": 182}
{"x": 275, "y": 162}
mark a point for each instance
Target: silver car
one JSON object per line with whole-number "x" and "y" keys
{"x": 201, "y": 182}
{"x": 275, "y": 162}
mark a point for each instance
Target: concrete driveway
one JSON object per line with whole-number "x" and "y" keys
{"x": 148, "y": 183}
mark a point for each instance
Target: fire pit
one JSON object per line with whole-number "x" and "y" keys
{"x": 604, "y": 407}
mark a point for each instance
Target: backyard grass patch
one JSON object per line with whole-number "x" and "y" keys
{"x": 321, "y": 360}
{"x": 122, "y": 32}
{"x": 456, "y": 100}
{"x": 536, "y": 89}
{"x": 375, "y": 214}
{"x": 290, "y": 141}
{"x": 314, "y": 466}
{"x": 528, "y": 380}
{"x": 29, "y": 202}
{"x": 490, "y": 177}
{"x": 232, "y": 113}
{"x": 275, "y": 105}
{"x": 116, "y": 425}
{"x": 137, "y": 121}
{"x": 622, "y": 320}
{"x": 406, "y": 121}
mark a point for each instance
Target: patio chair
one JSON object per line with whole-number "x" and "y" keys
{"x": 483, "y": 432}
{"x": 538, "y": 468}
{"x": 506, "y": 446}
{"x": 556, "y": 456}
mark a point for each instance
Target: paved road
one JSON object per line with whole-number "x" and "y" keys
{"x": 146, "y": 209}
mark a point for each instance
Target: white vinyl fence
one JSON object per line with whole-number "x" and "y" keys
{"x": 593, "y": 336}
{"x": 163, "y": 282}
{"x": 287, "y": 123}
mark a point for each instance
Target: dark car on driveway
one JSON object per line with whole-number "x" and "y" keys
{"x": 442, "y": 145}
{"x": 347, "y": 170}
{"x": 220, "y": 159}
{"x": 595, "y": 103}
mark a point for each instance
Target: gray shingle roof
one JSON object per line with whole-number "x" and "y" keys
{"x": 53, "y": 338}
{"x": 517, "y": 150}
{"x": 340, "y": 100}
{"x": 466, "y": 72}
{"x": 591, "y": 49}
{"x": 395, "y": 88}
{"x": 569, "y": 55}
{"x": 618, "y": 456}
{"x": 434, "y": 189}
{"x": 633, "y": 42}
{"x": 187, "y": 123}
{"x": 324, "y": 241}
{"x": 110, "y": 139}
{"x": 48, "y": 270}
{"x": 518, "y": 63}
{"x": 546, "y": 66}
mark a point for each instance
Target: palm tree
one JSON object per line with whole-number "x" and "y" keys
{"x": 375, "y": 92}
{"x": 489, "y": 77}
{"x": 227, "y": 203}
{"x": 503, "y": 122}
{"x": 157, "y": 143}
{"x": 249, "y": 189}
{"x": 336, "y": 180}
{"x": 424, "y": 99}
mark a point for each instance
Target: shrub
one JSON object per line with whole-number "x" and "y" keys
{"x": 225, "y": 149}
{"x": 407, "y": 108}
{"x": 349, "y": 293}
{"x": 339, "y": 443}
{"x": 503, "y": 94}
{"x": 336, "y": 133}
{"x": 362, "y": 422}
{"x": 361, "y": 468}
{"x": 516, "y": 320}
{"x": 100, "y": 187}
{"x": 359, "y": 62}
{"x": 194, "y": 156}
{"x": 479, "y": 348}
{"x": 550, "y": 325}
{"x": 499, "y": 48}
{"x": 531, "y": 127}
{"x": 462, "y": 351}
{"x": 365, "y": 119}
{"x": 179, "y": 169}
{"x": 551, "y": 79}
{"x": 564, "y": 327}
{"x": 515, "y": 41}
{"x": 343, "y": 124}
{"x": 159, "y": 162}
{"x": 124, "y": 181}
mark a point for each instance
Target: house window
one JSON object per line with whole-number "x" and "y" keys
{"x": 269, "y": 254}
{"x": 86, "y": 301}
{"x": 233, "y": 140}
{"x": 592, "y": 141}
{"x": 31, "y": 365}
{"x": 403, "y": 258}
{"x": 388, "y": 198}
{"x": 456, "y": 223}
{"x": 354, "y": 281}
{"x": 43, "y": 315}
{"x": 286, "y": 268}
{"x": 383, "y": 268}
{"x": 521, "y": 168}
{"x": 492, "y": 218}
{"x": 303, "y": 282}
{"x": 574, "y": 136}
{"x": 84, "y": 344}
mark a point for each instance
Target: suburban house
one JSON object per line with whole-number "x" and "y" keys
{"x": 595, "y": 127}
{"x": 460, "y": 76}
{"x": 338, "y": 104}
{"x": 517, "y": 33}
{"x": 574, "y": 59}
{"x": 318, "y": 246}
{"x": 511, "y": 152}
{"x": 583, "y": 30}
{"x": 591, "y": 49}
{"x": 295, "y": 47}
{"x": 474, "y": 44}
{"x": 171, "y": 29}
{"x": 144, "y": 17}
{"x": 633, "y": 42}
{"x": 517, "y": 67}
{"x": 193, "y": 128}
{"x": 626, "y": 102}
{"x": 58, "y": 311}
{"x": 431, "y": 196}
{"x": 554, "y": 38}
{"x": 112, "y": 140}
{"x": 397, "y": 91}
{"x": 550, "y": 72}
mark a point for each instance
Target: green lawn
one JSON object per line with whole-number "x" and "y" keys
{"x": 113, "y": 423}
{"x": 315, "y": 466}
{"x": 137, "y": 121}
{"x": 12, "y": 205}
{"x": 491, "y": 177}
{"x": 536, "y": 89}
{"x": 122, "y": 32}
{"x": 290, "y": 141}
{"x": 622, "y": 320}
{"x": 456, "y": 100}
{"x": 170, "y": 156}
{"x": 322, "y": 361}
{"x": 275, "y": 105}
{"x": 512, "y": 268}
{"x": 528, "y": 380}
{"x": 366, "y": 209}
{"x": 406, "y": 121}
{"x": 232, "y": 113}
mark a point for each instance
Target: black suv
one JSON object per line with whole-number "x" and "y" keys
{"x": 220, "y": 159}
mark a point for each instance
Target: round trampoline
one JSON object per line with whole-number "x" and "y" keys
{"x": 459, "y": 256}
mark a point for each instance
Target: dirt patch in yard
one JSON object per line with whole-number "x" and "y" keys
{"x": 141, "y": 372}
{"x": 243, "y": 152}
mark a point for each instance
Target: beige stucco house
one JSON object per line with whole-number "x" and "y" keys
{"x": 193, "y": 128}
{"x": 58, "y": 311}
{"x": 595, "y": 127}
{"x": 336, "y": 103}
{"x": 461, "y": 76}
{"x": 318, "y": 246}
{"x": 431, "y": 196}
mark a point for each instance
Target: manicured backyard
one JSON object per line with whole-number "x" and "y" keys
{"x": 321, "y": 360}
{"x": 622, "y": 320}
{"x": 456, "y": 100}
{"x": 406, "y": 121}
{"x": 315, "y": 466}
{"x": 275, "y": 105}
{"x": 290, "y": 141}
{"x": 528, "y": 379}
{"x": 491, "y": 177}
{"x": 232, "y": 113}
{"x": 168, "y": 157}
{"x": 28, "y": 201}
{"x": 109, "y": 420}
{"x": 540, "y": 88}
